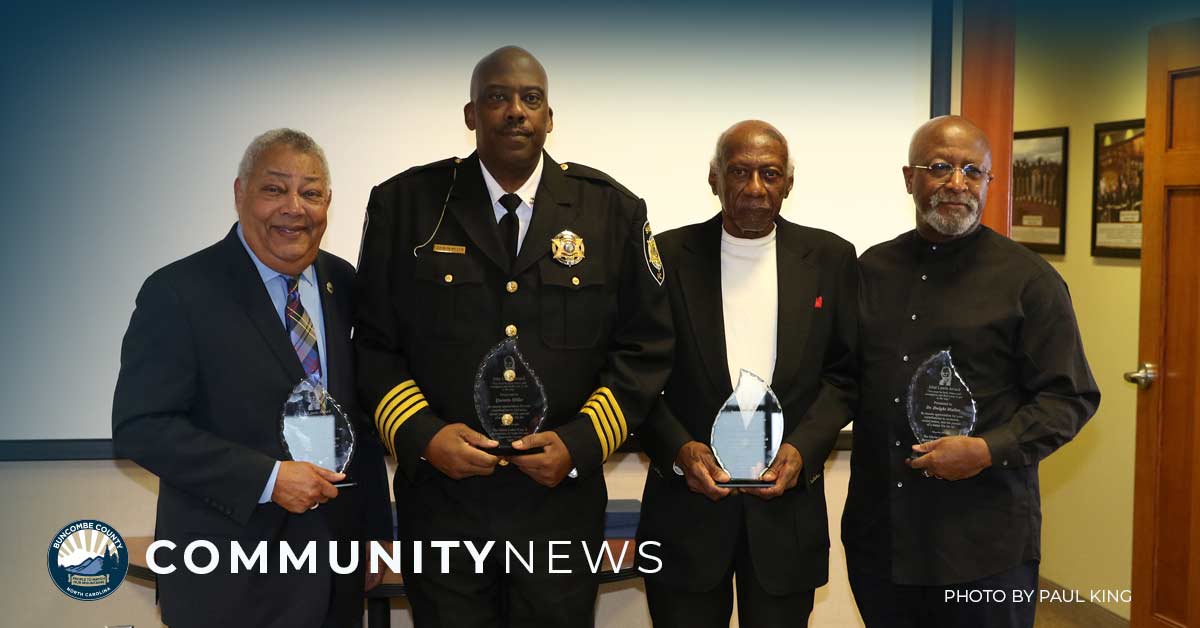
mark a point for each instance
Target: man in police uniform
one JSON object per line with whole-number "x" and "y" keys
{"x": 459, "y": 255}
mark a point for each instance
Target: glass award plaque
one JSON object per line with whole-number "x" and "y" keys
{"x": 510, "y": 401}
{"x": 939, "y": 401}
{"x": 747, "y": 432}
{"x": 314, "y": 428}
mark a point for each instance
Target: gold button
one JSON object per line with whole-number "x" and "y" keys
{"x": 574, "y": 281}
{"x": 503, "y": 462}
{"x": 449, "y": 278}
{"x": 510, "y": 330}
{"x": 511, "y": 286}
{"x": 458, "y": 160}
{"x": 563, "y": 166}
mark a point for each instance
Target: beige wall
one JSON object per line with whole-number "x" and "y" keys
{"x": 1076, "y": 69}
{"x": 40, "y": 497}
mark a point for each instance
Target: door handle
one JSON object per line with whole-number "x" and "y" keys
{"x": 1144, "y": 376}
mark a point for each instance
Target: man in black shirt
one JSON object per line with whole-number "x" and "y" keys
{"x": 924, "y": 538}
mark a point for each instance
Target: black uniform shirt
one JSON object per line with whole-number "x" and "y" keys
{"x": 1006, "y": 317}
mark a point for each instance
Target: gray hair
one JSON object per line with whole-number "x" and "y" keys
{"x": 715, "y": 163}
{"x": 296, "y": 140}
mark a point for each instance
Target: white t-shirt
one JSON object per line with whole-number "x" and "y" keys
{"x": 750, "y": 303}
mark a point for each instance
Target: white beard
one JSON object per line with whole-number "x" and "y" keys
{"x": 950, "y": 226}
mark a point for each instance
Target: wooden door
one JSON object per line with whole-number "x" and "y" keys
{"x": 1166, "y": 528}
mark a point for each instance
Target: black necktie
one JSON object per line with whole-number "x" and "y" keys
{"x": 509, "y": 226}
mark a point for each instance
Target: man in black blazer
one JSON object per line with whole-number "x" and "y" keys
{"x": 750, "y": 291}
{"x": 212, "y": 352}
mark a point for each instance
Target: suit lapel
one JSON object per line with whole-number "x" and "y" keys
{"x": 471, "y": 206}
{"x": 335, "y": 351}
{"x": 554, "y": 210}
{"x": 251, "y": 295}
{"x": 700, "y": 275}
{"x": 798, "y": 283}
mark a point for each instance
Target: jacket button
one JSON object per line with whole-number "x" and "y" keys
{"x": 510, "y": 331}
{"x": 449, "y": 278}
{"x": 574, "y": 281}
{"x": 511, "y": 287}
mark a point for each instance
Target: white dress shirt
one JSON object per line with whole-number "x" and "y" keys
{"x": 526, "y": 192}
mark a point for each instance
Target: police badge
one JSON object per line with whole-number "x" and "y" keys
{"x": 650, "y": 249}
{"x": 567, "y": 248}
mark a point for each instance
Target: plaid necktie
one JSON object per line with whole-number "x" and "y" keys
{"x": 301, "y": 331}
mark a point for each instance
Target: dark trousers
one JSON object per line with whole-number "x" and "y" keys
{"x": 494, "y": 599}
{"x": 884, "y": 604}
{"x": 671, "y": 608}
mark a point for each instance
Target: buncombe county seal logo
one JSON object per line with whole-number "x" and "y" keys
{"x": 650, "y": 249}
{"x": 87, "y": 560}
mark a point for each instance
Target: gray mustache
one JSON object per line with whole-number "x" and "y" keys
{"x": 944, "y": 196}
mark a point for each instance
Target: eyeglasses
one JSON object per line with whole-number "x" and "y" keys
{"x": 941, "y": 171}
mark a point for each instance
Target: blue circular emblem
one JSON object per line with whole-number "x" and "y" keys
{"x": 87, "y": 560}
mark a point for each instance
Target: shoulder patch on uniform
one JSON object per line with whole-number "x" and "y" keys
{"x": 650, "y": 250}
{"x": 580, "y": 171}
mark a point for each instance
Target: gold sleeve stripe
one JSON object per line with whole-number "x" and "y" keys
{"x": 619, "y": 429}
{"x": 401, "y": 414}
{"x": 415, "y": 405}
{"x": 395, "y": 408}
{"x": 401, "y": 400}
{"x": 401, "y": 387}
{"x": 604, "y": 448}
{"x": 610, "y": 426}
{"x": 616, "y": 407}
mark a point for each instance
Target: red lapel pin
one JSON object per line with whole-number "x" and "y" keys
{"x": 817, "y": 304}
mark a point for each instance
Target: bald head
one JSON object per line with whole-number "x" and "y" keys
{"x": 505, "y": 60}
{"x": 946, "y": 130}
{"x": 749, "y": 131}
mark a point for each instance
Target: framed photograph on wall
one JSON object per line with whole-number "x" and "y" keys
{"x": 1117, "y": 189}
{"x": 1039, "y": 189}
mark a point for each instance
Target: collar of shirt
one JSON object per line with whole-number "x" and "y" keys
{"x": 750, "y": 245}
{"x": 924, "y": 247}
{"x": 526, "y": 192}
{"x": 310, "y": 296}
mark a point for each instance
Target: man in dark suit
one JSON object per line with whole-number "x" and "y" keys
{"x": 215, "y": 346}
{"x": 750, "y": 292}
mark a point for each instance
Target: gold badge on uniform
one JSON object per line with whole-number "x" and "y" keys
{"x": 567, "y": 248}
{"x": 650, "y": 249}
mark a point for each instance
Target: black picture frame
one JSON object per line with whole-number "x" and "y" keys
{"x": 1039, "y": 189}
{"x": 1118, "y": 167}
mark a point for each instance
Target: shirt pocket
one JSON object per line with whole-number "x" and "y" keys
{"x": 449, "y": 298}
{"x": 574, "y": 304}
